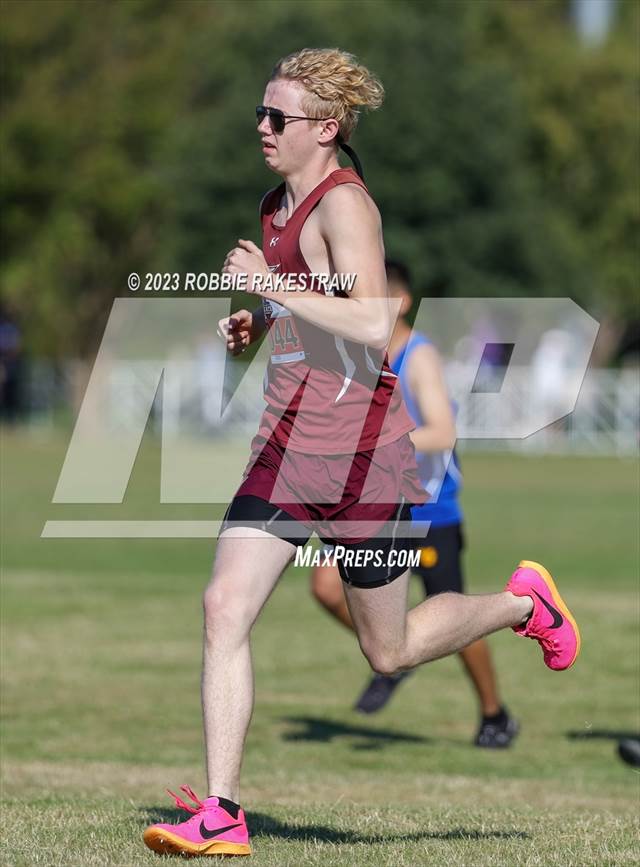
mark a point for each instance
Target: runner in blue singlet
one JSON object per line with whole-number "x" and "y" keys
{"x": 417, "y": 364}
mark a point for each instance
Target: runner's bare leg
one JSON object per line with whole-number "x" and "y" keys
{"x": 393, "y": 639}
{"x": 478, "y": 664}
{"x": 326, "y": 586}
{"x": 247, "y": 566}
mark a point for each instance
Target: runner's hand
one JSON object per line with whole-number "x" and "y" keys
{"x": 236, "y": 331}
{"x": 246, "y": 258}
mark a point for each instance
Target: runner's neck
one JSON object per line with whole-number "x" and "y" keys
{"x": 299, "y": 186}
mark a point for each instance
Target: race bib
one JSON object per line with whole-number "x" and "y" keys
{"x": 286, "y": 344}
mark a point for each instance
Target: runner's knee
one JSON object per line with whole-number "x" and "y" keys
{"x": 225, "y": 615}
{"x": 383, "y": 659}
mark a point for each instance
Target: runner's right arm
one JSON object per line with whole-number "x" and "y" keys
{"x": 241, "y": 329}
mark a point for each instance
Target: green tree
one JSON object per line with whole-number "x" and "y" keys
{"x": 502, "y": 159}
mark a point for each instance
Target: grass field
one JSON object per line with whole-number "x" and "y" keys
{"x": 101, "y": 654}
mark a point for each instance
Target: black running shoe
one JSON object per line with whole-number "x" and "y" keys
{"x": 497, "y": 733}
{"x": 629, "y": 751}
{"x": 378, "y": 692}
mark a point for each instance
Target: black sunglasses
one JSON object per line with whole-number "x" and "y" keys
{"x": 278, "y": 119}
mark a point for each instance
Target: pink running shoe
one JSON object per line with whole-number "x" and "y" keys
{"x": 217, "y": 827}
{"x": 551, "y": 623}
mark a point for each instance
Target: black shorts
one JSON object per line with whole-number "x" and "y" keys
{"x": 441, "y": 560}
{"x": 372, "y": 562}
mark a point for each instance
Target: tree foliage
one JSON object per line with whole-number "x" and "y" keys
{"x": 503, "y": 159}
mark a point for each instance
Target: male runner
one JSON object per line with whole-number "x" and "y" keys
{"x": 416, "y": 362}
{"x": 332, "y": 453}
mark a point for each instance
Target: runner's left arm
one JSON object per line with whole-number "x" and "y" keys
{"x": 351, "y": 228}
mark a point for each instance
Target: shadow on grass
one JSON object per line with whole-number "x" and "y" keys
{"x": 601, "y": 734}
{"x": 263, "y": 825}
{"x": 324, "y": 731}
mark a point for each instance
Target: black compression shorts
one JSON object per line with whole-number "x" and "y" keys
{"x": 370, "y": 563}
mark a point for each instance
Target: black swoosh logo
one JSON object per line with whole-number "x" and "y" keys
{"x": 206, "y": 834}
{"x": 558, "y": 619}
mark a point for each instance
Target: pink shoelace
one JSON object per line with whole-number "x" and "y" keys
{"x": 549, "y": 644}
{"x": 183, "y": 804}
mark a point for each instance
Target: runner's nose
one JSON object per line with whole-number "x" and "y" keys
{"x": 265, "y": 125}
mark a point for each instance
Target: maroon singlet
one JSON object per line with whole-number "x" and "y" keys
{"x": 324, "y": 394}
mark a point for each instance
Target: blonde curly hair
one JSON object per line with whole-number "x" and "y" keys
{"x": 336, "y": 85}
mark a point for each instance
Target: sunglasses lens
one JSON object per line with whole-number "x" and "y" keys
{"x": 277, "y": 120}
{"x": 276, "y": 117}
